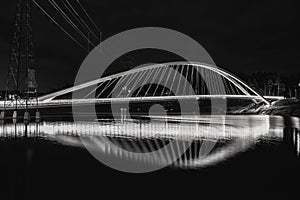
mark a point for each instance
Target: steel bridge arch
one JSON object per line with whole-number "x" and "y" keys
{"x": 227, "y": 75}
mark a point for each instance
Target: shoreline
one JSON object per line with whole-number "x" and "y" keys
{"x": 283, "y": 107}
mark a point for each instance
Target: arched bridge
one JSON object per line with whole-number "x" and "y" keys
{"x": 167, "y": 81}
{"x": 175, "y": 80}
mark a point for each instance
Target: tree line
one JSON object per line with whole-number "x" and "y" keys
{"x": 273, "y": 84}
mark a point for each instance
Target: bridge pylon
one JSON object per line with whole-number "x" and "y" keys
{"x": 21, "y": 86}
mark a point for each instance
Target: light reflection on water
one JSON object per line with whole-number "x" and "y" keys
{"x": 232, "y": 134}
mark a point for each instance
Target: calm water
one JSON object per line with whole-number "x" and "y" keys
{"x": 231, "y": 154}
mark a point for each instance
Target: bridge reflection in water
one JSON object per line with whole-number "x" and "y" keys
{"x": 228, "y": 135}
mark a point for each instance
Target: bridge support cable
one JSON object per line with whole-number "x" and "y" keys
{"x": 120, "y": 81}
{"x": 99, "y": 85}
{"x": 197, "y": 81}
{"x": 173, "y": 79}
{"x": 132, "y": 76}
{"x": 190, "y": 80}
{"x": 152, "y": 74}
{"x": 126, "y": 84}
{"x": 160, "y": 78}
{"x": 155, "y": 78}
{"x": 158, "y": 84}
{"x": 152, "y": 80}
{"x": 226, "y": 85}
{"x": 185, "y": 79}
{"x": 208, "y": 80}
{"x": 167, "y": 79}
{"x": 194, "y": 80}
{"x": 192, "y": 91}
{"x": 144, "y": 82}
{"x": 212, "y": 81}
{"x": 216, "y": 80}
{"x": 181, "y": 70}
{"x": 110, "y": 82}
{"x": 174, "y": 76}
{"x": 96, "y": 88}
{"x": 142, "y": 74}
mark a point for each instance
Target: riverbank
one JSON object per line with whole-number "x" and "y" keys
{"x": 283, "y": 107}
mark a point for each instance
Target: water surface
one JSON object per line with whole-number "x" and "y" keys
{"x": 259, "y": 153}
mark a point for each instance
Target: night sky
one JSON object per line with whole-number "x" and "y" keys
{"x": 241, "y": 36}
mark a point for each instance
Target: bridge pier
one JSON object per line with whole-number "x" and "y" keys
{"x": 123, "y": 115}
{"x": 37, "y": 116}
{"x": 26, "y": 117}
{"x": 15, "y": 115}
{"x": 2, "y": 115}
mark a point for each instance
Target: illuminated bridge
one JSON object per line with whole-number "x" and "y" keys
{"x": 156, "y": 82}
{"x": 152, "y": 83}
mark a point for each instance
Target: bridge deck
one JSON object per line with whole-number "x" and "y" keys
{"x": 69, "y": 102}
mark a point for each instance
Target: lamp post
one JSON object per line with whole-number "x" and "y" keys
{"x": 296, "y": 93}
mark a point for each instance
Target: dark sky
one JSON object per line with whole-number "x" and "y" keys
{"x": 241, "y": 36}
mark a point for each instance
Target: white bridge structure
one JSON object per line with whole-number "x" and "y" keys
{"x": 156, "y": 82}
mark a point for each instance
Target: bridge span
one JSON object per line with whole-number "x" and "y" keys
{"x": 155, "y": 82}
{"x": 81, "y": 102}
